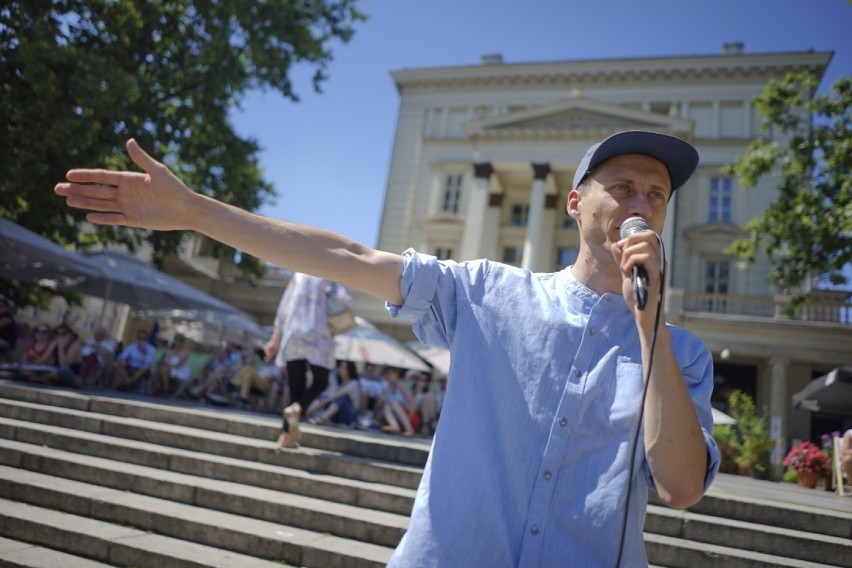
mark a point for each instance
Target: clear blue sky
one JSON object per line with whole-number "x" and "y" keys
{"x": 329, "y": 155}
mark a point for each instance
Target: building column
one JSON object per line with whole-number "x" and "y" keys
{"x": 747, "y": 119}
{"x": 471, "y": 244}
{"x": 715, "y": 125}
{"x": 436, "y": 193}
{"x": 532, "y": 241}
{"x": 778, "y": 403}
{"x": 669, "y": 244}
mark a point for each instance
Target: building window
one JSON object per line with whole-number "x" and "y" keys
{"x": 566, "y": 256}
{"x": 513, "y": 255}
{"x": 443, "y": 253}
{"x": 452, "y": 193}
{"x": 519, "y": 214}
{"x": 719, "y": 208}
{"x": 717, "y": 276}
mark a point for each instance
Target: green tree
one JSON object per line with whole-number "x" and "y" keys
{"x": 79, "y": 77}
{"x": 807, "y": 144}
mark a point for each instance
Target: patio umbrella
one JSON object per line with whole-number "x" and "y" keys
{"x": 367, "y": 344}
{"x": 438, "y": 357}
{"x": 831, "y": 393}
{"x": 210, "y": 327}
{"x": 29, "y": 257}
{"x": 129, "y": 280}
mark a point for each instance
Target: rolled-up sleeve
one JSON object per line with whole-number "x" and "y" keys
{"x": 431, "y": 288}
{"x": 418, "y": 285}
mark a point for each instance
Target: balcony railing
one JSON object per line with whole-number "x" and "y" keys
{"x": 835, "y": 308}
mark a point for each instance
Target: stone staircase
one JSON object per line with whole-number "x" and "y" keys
{"x": 101, "y": 479}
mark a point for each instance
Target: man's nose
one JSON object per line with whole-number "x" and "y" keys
{"x": 640, "y": 205}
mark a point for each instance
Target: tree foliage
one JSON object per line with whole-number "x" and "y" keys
{"x": 79, "y": 77}
{"x": 807, "y": 148}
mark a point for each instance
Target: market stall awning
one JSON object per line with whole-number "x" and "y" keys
{"x": 830, "y": 393}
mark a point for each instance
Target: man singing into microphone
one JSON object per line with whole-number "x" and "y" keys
{"x": 534, "y": 462}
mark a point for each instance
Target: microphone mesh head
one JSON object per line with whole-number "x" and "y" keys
{"x": 634, "y": 225}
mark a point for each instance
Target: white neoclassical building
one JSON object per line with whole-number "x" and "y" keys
{"x": 483, "y": 160}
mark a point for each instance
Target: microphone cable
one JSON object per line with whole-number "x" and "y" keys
{"x": 635, "y": 440}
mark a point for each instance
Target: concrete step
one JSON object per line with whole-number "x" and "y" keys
{"x": 250, "y": 450}
{"x": 17, "y": 554}
{"x": 753, "y": 537}
{"x": 358, "y": 523}
{"x": 371, "y": 495}
{"x": 114, "y": 510}
{"x": 353, "y": 521}
{"x": 782, "y": 505}
{"x": 214, "y": 443}
{"x": 366, "y": 444}
{"x": 679, "y": 553}
{"x": 80, "y": 538}
{"x": 224, "y": 463}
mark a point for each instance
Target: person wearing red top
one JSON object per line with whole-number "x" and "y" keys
{"x": 41, "y": 353}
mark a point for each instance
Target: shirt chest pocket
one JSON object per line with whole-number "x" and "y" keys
{"x": 624, "y": 395}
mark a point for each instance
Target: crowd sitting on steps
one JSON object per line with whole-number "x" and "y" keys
{"x": 388, "y": 399}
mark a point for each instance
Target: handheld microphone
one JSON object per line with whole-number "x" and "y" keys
{"x": 640, "y": 275}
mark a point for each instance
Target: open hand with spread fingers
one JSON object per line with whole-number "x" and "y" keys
{"x": 155, "y": 199}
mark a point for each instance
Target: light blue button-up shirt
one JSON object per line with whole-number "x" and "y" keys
{"x": 529, "y": 464}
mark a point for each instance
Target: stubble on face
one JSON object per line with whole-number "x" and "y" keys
{"x": 620, "y": 187}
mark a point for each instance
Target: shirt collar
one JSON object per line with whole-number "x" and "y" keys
{"x": 583, "y": 293}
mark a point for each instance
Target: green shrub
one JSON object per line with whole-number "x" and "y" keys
{"x": 752, "y": 443}
{"x": 726, "y": 438}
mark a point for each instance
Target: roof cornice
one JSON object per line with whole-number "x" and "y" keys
{"x": 680, "y": 68}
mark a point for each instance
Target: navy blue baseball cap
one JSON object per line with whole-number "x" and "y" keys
{"x": 679, "y": 156}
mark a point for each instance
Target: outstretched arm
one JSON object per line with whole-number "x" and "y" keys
{"x": 158, "y": 200}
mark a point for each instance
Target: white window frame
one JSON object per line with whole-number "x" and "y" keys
{"x": 451, "y": 198}
{"x": 720, "y": 199}
{"x": 559, "y": 256}
{"x": 519, "y": 214}
{"x": 716, "y": 287}
{"x": 516, "y": 252}
{"x": 443, "y": 253}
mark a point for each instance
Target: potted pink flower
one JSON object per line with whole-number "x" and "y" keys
{"x": 810, "y": 463}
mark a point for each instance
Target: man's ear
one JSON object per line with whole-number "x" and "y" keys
{"x": 573, "y": 205}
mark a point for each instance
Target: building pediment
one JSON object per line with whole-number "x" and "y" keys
{"x": 576, "y": 117}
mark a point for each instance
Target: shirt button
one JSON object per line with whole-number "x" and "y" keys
{"x": 547, "y": 475}
{"x": 591, "y": 330}
{"x": 534, "y": 530}
{"x": 577, "y": 372}
{"x": 563, "y": 421}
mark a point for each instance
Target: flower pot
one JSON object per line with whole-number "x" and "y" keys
{"x": 807, "y": 479}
